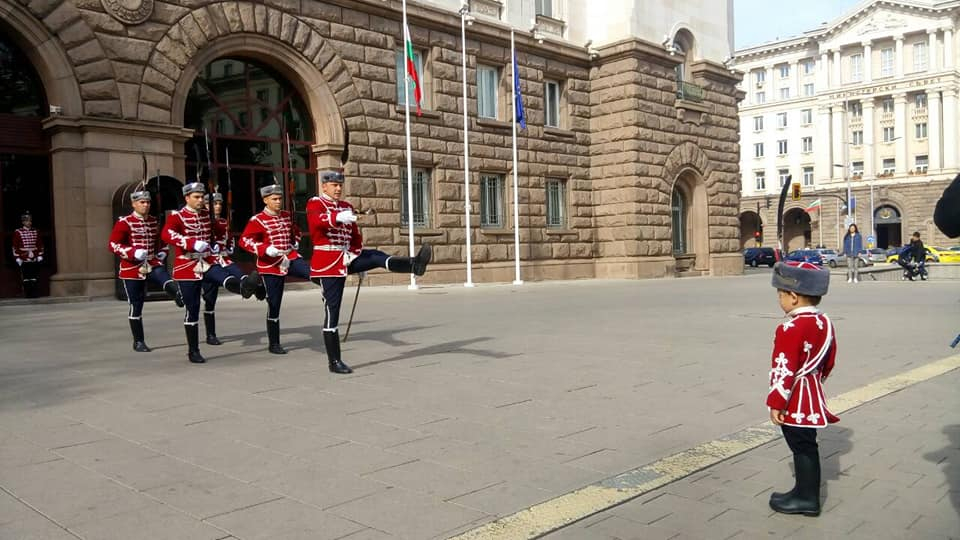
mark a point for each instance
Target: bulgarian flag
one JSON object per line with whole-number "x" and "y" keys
{"x": 412, "y": 69}
{"x": 815, "y": 205}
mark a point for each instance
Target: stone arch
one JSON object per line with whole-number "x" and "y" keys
{"x": 689, "y": 170}
{"x": 47, "y": 56}
{"x": 750, "y": 224}
{"x": 291, "y": 46}
{"x": 681, "y": 33}
{"x": 797, "y": 229}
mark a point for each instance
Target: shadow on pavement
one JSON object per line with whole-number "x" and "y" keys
{"x": 951, "y": 468}
{"x": 833, "y": 445}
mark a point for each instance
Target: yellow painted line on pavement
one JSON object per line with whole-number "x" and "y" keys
{"x": 563, "y": 510}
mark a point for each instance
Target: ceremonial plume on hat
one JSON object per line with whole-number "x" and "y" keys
{"x": 801, "y": 277}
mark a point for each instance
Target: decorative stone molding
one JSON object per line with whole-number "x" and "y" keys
{"x": 487, "y": 8}
{"x": 549, "y": 25}
{"x": 129, "y": 12}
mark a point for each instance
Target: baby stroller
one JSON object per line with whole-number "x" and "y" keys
{"x": 911, "y": 268}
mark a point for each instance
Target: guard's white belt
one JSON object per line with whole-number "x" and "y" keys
{"x": 329, "y": 248}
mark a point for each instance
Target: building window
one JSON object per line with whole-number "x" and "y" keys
{"x": 806, "y": 145}
{"x": 678, "y": 218}
{"x": 888, "y": 134}
{"x": 886, "y": 62}
{"x": 921, "y": 163}
{"x": 784, "y": 71}
{"x": 888, "y": 106}
{"x": 758, "y": 150}
{"x": 544, "y": 7}
{"x": 551, "y": 96}
{"x": 856, "y": 68}
{"x": 556, "y": 203}
{"x": 781, "y": 120}
{"x": 401, "y": 66}
{"x": 758, "y": 123}
{"x": 782, "y": 147}
{"x": 488, "y": 82}
{"x": 857, "y": 137}
{"x": 760, "y": 77}
{"x": 920, "y": 130}
{"x": 856, "y": 168}
{"x": 784, "y": 175}
{"x": 808, "y": 66}
{"x": 856, "y": 109}
{"x": 808, "y": 176}
{"x": 785, "y": 93}
{"x": 808, "y": 89}
{"x": 760, "y": 178}
{"x": 421, "y": 198}
{"x": 920, "y": 101}
{"x": 889, "y": 165}
{"x": 761, "y": 98}
{"x": 806, "y": 117}
{"x": 491, "y": 201}
{"x": 920, "y": 56}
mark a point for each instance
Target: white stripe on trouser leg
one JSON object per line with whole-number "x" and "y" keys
{"x": 194, "y": 323}
{"x": 129, "y": 302}
{"x": 273, "y": 320}
{"x": 209, "y": 312}
{"x": 329, "y": 329}
{"x": 386, "y": 264}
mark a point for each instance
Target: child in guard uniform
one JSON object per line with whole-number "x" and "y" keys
{"x": 804, "y": 351}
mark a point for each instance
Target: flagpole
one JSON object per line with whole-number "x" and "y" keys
{"x": 406, "y": 99}
{"x": 466, "y": 146}
{"x": 820, "y": 224}
{"x": 516, "y": 190}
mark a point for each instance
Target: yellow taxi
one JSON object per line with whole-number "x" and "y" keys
{"x": 945, "y": 255}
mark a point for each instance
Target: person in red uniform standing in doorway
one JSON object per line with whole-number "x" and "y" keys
{"x": 28, "y": 253}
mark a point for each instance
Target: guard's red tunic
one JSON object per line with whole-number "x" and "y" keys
{"x": 804, "y": 351}
{"x": 27, "y": 244}
{"x": 183, "y": 229}
{"x": 224, "y": 243}
{"x": 130, "y": 233}
{"x": 278, "y": 230}
{"x": 335, "y": 244}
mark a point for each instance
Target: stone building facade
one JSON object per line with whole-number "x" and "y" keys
{"x": 868, "y": 101}
{"x": 635, "y": 173}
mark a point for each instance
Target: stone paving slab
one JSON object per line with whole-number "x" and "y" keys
{"x": 467, "y": 405}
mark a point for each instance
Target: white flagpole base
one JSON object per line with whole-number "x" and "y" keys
{"x": 518, "y": 282}
{"x": 412, "y": 287}
{"x": 468, "y": 284}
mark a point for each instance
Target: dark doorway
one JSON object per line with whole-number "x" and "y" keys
{"x": 887, "y": 222}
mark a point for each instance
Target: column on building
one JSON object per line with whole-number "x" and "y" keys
{"x": 837, "y": 80}
{"x": 836, "y": 173}
{"x": 869, "y": 161}
{"x": 795, "y": 73}
{"x": 950, "y": 128}
{"x": 932, "y": 55}
{"x": 823, "y": 162}
{"x": 900, "y": 130}
{"x": 933, "y": 129}
{"x": 823, "y": 72}
{"x": 867, "y": 62}
{"x": 898, "y": 56}
{"x": 948, "y": 48}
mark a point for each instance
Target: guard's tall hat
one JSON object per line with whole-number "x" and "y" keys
{"x": 801, "y": 277}
{"x": 26, "y": 215}
{"x": 140, "y": 195}
{"x": 217, "y": 197}
{"x": 271, "y": 189}
{"x": 194, "y": 187}
{"x": 332, "y": 176}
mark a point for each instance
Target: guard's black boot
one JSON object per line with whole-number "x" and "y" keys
{"x": 193, "y": 344}
{"x": 273, "y": 337}
{"x": 806, "y": 498}
{"x": 210, "y": 325}
{"x": 779, "y": 497}
{"x": 422, "y": 259}
{"x": 30, "y": 289}
{"x": 332, "y": 342}
{"x": 233, "y": 285}
{"x": 248, "y": 285}
{"x": 173, "y": 291}
{"x": 136, "y": 328}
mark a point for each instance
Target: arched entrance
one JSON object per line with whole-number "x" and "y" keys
{"x": 688, "y": 219}
{"x": 887, "y": 222}
{"x": 751, "y": 229}
{"x": 24, "y": 163}
{"x": 254, "y": 121}
{"x": 796, "y": 229}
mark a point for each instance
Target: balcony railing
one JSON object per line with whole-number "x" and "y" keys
{"x": 689, "y": 92}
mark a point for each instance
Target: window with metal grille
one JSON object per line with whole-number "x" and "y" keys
{"x": 556, "y": 203}
{"x": 491, "y": 201}
{"x": 421, "y": 198}
{"x": 488, "y": 81}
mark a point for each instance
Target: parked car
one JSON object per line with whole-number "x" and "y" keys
{"x": 945, "y": 255}
{"x": 873, "y": 255}
{"x": 805, "y": 255}
{"x": 829, "y": 256}
{"x": 756, "y": 256}
{"x": 863, "y": 259}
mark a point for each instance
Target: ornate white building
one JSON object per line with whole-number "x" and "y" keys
{"x": 868, "y": 100}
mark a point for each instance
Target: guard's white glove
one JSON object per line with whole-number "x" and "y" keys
{"x": 200, "y": 246}
{"x": 272, "y": 251}
{"x": 19, "y": 261}
{"x": 295, "y": 246}
{"x": 140, "y": 254}
{"x": 346, "y": 217}
{"x": 162, "y": 256}
{"x": 40, "y": 258}
{"x": 215, "y": 249}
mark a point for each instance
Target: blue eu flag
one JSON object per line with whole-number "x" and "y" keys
{"x": 518, "y": 102}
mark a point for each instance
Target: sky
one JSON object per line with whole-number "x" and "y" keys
{"x": 760, "y": 21}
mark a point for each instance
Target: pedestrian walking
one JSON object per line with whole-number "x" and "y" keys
{"x": 852, "y": 246}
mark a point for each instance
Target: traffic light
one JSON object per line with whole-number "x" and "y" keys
{"x": 796, "y": 191}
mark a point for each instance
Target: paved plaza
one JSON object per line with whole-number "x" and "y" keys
{"x": 467, "y": 406}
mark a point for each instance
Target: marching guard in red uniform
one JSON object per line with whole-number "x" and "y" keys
{"x": 28, "y": 252}
{"x": 338, "y": 251}
{"x": 136, "y": 240}
{"x": 804, "y": 352}
{"x": 189, "y": 230}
